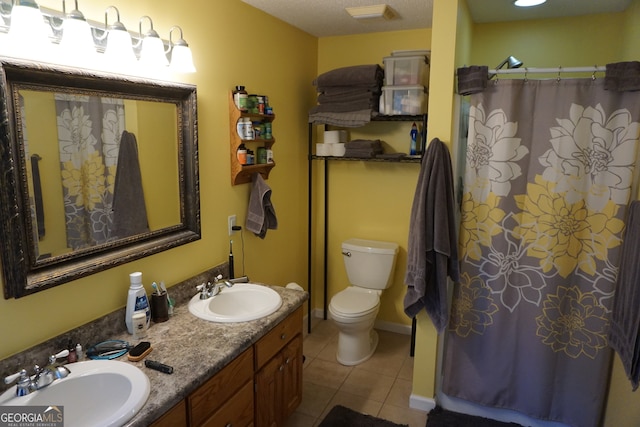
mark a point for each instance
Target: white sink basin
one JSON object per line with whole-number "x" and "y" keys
{"x": 96, "y": 393}
{"x": 241, "y": 303}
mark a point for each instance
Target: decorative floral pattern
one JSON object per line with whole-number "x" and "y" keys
{"x": 479, "y": 222}
{"x": 89, "y": 131}
{"x": 492, "y": 153}
{"x": 472, "y": 308}
{"x": 573, "y": 322}
{"x": 593, "y": 148}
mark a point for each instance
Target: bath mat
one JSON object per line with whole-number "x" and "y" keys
{"x": 439, "y": 417}
{"x": 339, "y": 416}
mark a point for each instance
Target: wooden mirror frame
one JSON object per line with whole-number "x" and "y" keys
{"x": 20, "y": 273}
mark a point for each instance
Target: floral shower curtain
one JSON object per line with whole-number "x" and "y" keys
{"x": 550, "y": 166}
{"x": 89, "y": 131}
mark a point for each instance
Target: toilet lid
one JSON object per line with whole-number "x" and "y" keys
{"x": 352, "y": 302}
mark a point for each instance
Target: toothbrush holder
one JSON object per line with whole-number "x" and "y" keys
{"x": 159, "y": 307}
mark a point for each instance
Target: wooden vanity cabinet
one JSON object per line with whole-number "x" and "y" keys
{"x": 261, "y": 387}
{"x": 278, "y": 379}
{"x": 227, "y": 398}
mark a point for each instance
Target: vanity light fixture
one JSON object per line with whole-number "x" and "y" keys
{"x": 77, "y": 44}
{"x": 181, "y": 56}
{"x": 528, "y": 3}
{"x": 373, "y": 12}
{"x": 152, "y": 53}
{"x": 27, "y": 33}
{"x": 45, "y": 35}
{"x": 119, "y": 49}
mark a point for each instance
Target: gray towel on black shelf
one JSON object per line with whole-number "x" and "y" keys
{"x": 361, "y": 96}
{"x": 349, "y": 119}
{"x": 345, "y": 107}
{"x": 363, "y": 143}
{"x": 357, "y": 75}
{"x": 624, "y": 334}
{"x": 129, "y": 210}
{"x": 432, "y": 252}
{"x": 261, "y": 214}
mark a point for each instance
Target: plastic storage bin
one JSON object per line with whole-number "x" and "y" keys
{"x": 406, "y": 70}
{"x": 401, "y": 100}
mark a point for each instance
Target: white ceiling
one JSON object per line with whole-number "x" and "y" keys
{"x": 323, "y": 18}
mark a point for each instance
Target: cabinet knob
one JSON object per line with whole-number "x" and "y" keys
{"x": 228, "y": 425}
{"x": 283, "y": 336}
{"x": 286, "y": 362}
{"x": 281, "y": 368}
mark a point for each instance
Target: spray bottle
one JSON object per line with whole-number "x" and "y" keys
{"x": 414, "y": 139}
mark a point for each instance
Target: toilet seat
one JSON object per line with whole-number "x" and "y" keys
{"x": 355, "y": 302}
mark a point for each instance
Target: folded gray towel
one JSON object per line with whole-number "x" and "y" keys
{"x": 624, "y": 334}
{"x": 335, "y": 91}
{"x": 622, "y": 76}
{"x": 261, "y": 214}
{"x": 363, "y": 143}
{"x": 366, "y": 96}
{"x": 345, "y": 107}
{"x": 351, "y": 76}
{"x": 348, "y": 119}
{"x": 472, "y": 79}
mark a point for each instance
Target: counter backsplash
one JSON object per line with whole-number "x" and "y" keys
{"x": 99, "y": 330}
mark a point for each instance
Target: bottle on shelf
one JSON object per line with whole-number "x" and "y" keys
{"x": 414, "y": 139}
{"x": 240, "y": 98}
{"x": 242, "y": 154}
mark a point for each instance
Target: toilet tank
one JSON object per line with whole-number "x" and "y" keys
{"x": 369, "y": 263}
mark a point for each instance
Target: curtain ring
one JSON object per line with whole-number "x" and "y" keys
{"x": 558, "y": 78}
{"x": 526, "y": 70}
{"x": 593, "y": 76}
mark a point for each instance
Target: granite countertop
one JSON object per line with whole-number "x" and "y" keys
{"x": 197, "y": 349}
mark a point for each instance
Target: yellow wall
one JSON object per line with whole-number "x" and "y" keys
{"x": 236, "y": 44}
{"x": 232, "y": 44}
{"x": 367, "y": 200}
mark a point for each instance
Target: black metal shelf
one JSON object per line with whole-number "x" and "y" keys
{"x": 328, "y": 159}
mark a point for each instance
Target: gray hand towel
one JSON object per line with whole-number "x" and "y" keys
{"x": 624, "y": 335}
{"x": 261, "y": 215}
{"x": 129, "y": 210}
{"x": 432, "y": 252}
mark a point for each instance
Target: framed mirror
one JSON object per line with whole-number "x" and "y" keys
{"x": 96, "y": 170}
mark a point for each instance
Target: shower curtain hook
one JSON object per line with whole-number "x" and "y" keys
{"x": 526, "y": 70}
{"x": 559, "y": 71}
{"x": 593, "y": 76}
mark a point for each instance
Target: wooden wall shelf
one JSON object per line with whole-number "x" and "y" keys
{"x": 242, "y": 174}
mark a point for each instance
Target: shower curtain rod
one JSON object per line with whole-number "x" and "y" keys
{"x": 525, "y": 70}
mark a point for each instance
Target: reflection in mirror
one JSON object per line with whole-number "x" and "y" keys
{"x": 104, "y": 171}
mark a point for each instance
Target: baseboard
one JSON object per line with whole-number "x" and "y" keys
{"x": 421, "y": 403}
{"x": 382, "y": 325}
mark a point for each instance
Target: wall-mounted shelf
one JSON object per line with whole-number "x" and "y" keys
{"x": 241, "y": 174}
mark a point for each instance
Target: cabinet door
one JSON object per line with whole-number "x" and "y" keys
{"x": 174, "y": 417}
{"x": 236, "y": 412}
{"x": 268, "y": 386}
{"x": 292, "y": 378}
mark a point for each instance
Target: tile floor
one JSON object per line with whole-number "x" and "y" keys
{"x": 381, "y": 386}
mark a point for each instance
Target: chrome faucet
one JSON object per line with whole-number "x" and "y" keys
{"x": 42, "y": 377}
{"x": 208, "y": 290}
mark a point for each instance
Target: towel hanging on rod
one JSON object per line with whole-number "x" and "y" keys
{"x": 527, "y": 70}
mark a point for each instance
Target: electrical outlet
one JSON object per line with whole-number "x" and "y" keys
{"x": 231, "y": 222}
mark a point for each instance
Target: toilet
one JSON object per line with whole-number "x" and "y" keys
{"x": 370, "y": 265}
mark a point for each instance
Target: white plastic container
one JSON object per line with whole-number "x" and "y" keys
{"x": 400, "y": 100}
{"x": 137, "y": 301}
{"x": 406, "y": 70}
